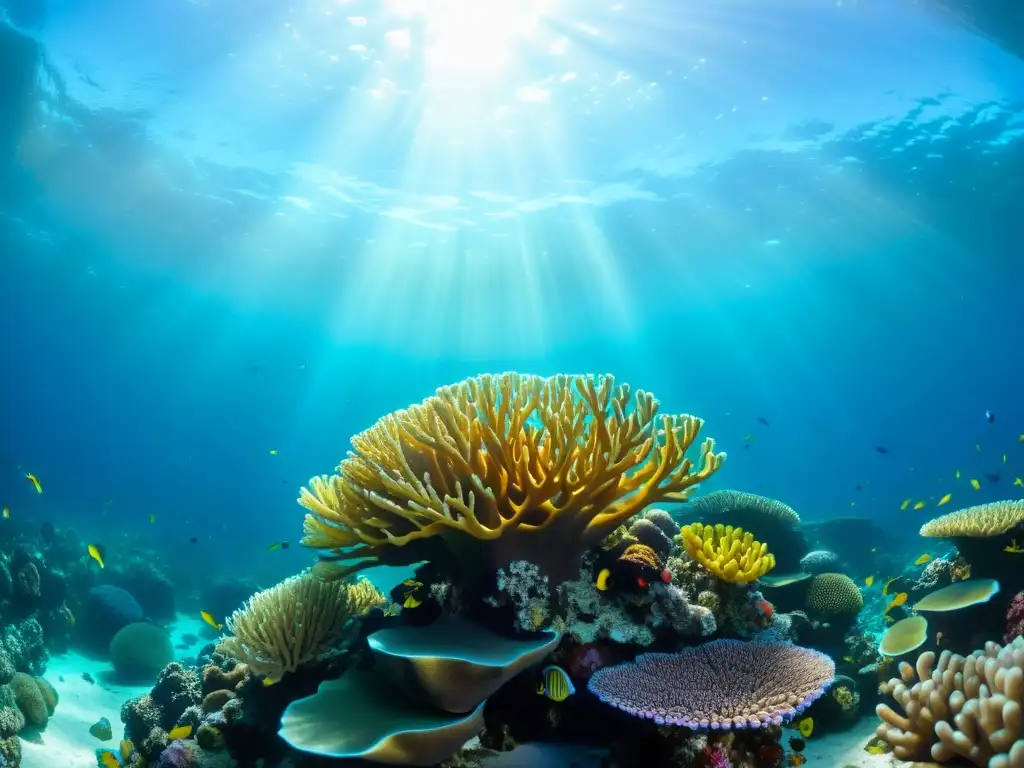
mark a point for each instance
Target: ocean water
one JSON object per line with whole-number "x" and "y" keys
{"x": 232, "y": 235}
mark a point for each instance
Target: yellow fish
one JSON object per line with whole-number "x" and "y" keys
{"x": 1018, "y": 482}
{"x": 806, "y": 726}
{"x": 958, "y": 474}
{"x": 7, "y": 513}
{"x": 905, "y": 504}
{"x": 208, "y": 618}
{"x": 975, "y": 484}
{"x": 126, "y": 750}
{"x": 923, "y": 559}
{"x": 1004, "y": 458}
{"x": 945, "y": 499}
{"x": 108, "y": 759}
{"x": 278, "y": 545}
{"x": 556, "y": 684}
{"x": 869, "y": 581}
{"x": 897, "y": 601}
{"x": 273, "y": 452}
{"x": 268, "y": 681}
{"x": 849, "y": 660}
{"x": 1021, "y": 438}
{"x": 152, "y": 518}
{"x": 96, "y": 553}
{"x": 1013, "y": 548}
{"x": 874, "y": 749}
{"x": 919, "y": 505}
{"x": 885, "y": 589}
{"x": 181, "y": 732}
{"x": 411, "y": 601}
{"x": 603, "y": 577}
{"x": 35, "y": 482}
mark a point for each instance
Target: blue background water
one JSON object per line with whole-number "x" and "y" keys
{"x": 235, "y": 228}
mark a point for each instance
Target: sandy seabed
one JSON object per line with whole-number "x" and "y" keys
{"x": 66, "y": 741}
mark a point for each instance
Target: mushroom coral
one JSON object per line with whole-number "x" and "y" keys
{"x": 500, "y": 468}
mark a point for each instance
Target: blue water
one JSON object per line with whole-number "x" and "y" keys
{"x": 234, "y": 228}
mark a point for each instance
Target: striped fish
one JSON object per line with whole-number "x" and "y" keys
{"x": 556, "y": 686}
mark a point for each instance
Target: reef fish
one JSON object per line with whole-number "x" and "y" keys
{"x": 885, "y": 588}
{"x": 897, "y": 601}
{"x": 96, "y": 553}
{"x": 869, "y": 581}
{"x": 278, "y": 545}
{"x": 556, "y": 684}
{"x": 35, "y": 482}
{"x": 1013, "y": 548}
{"x": 975, "y": 484}
{"x": 945, "y": 499}
{"x": 180, "y": 732}
{"x": 107, "y": 758}
{"x": 208, "y": 618}
{"x": 923, "y": 559}
{"x": 7, "y": 513}
{"x": 603, "y": 579}
{"x": 101, "y": 730}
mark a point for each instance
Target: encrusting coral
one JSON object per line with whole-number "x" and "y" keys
{"x": 296, "y": 622}
{"x": 961, "y": 707}
{"x": 500, "y": 468}
{"x": 727, "y": 552}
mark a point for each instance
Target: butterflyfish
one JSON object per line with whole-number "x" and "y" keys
{"x": 919, "y": 505}
{"x": 806, "y": 727}
{"x": 107, "y": 758}
{"x": 869, "y": 581}
{"x": 35, "y": 482}
{"x": 7, "y": 513}
{"x": 208, "y": 618}
{"x": 945, "y": 499}
{"x": 1018, "y": 482}
{"x": 1013, "y": 548}
{"x": 96, "y": 553}
{"x": 556, "y": 684}
{"x": 101, "y": 730}
{"x": 874, "y": 749}
{"x": 603, "y": 578}
{"x": 923, "y": 559}
{"x": 411, "y": 601}
{"x": 126, "y": 750}
{"x": 905, "y": 504}
{"x": 885, "y": 588}
{"x": 180, "y": 732}
{"x": 957, "y": 475}
{"x": 975, "y": 484}
{"x": 268, "y": 681}
{"x": 897, "y": 601}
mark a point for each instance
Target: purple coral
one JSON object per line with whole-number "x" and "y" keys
{"x": 720, "y": 685}
{"x": 1015, "y": 618}
{"x": 178, "y": 754}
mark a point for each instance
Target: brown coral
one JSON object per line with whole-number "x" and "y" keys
{"x": 641, "y": 554}
{"x": 483, "y": 468}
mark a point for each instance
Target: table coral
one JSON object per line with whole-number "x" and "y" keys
{"x": 501, "y": 468}
{"x": 719, "y": 685}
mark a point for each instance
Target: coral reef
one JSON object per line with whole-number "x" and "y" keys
{"x": 297, "y": 622}
{"x": 1014, "y": 618}
{"x": 820, "y": 561}
{"x": 477, "y": 475}
{"x": 960, "y": 708}
{"x": 727, "y": 552}
{"x": 175, "y": 700}
{"x": 719, "y": 685}
{"x": 833, "y": 597}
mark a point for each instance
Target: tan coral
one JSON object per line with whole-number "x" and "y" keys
{"x": 962, "y": 707}
{"x": 983, "y": 520}
{"x": 296, "y": 622}
{"x": 484, "y": 468}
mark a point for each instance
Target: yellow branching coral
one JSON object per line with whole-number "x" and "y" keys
{"x": 727, "y": 552}
{"x": 503, "y": 467}
{"x": 296, "y": 622}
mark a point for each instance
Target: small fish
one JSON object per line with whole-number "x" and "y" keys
{"x": 180, "y": 732}
{"x": 193, "y": 540}
{"x": 278, "y": 545}
{"x": 975, "y": 484}
{"x": 96, "y": 553}
{"x": 603, "y": 578}
{"x": 101, "y": 730}
{"x": 897, "y": 601}
{"x": 750, "y": 438}
{"x": 885, "y": 589}
{"x": 806, "y": 727}
{"x": 7, "y": 513}
{"x": 411, "y": 601}
{"x": 556, "y": 684}
{"x": 797, "y": 744}
{"x": 1004, "y": 458}
{"x": 990, "y": 417}
{"x": 849, "y": 659}
{"x": 152, "y": 518}
{"x": 107, "y": 758}
{"x": 412, "y": 583}
{"x": 268, "y": 681}
{"x": 763, "y": 420}
{"x": 905, "y": 503}
{"x": 869, "y": 581}
{"x": 977, "y": 447}
{"x": 208, "y": 618}
{"x": 796, "y": 759}
{"x": 127, "y": 748}
{"x": 881, "y": 449}
{"x": 919, "y": 505}
{"x": 938, "y": 639}
{"x": 923, "y": 559}
{"x": 945, "y": 499}
{"x": 1018, "y": 482}
{"x": 273, "y": 451}
{"x": 35, "y": 482}
{"x": 957, "y": 475}
{"x": 1013, "y": 548}
{"x": 1020, "y": 439}
{"x": 993, "y": 477}
{"x": 875, "y": 749}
